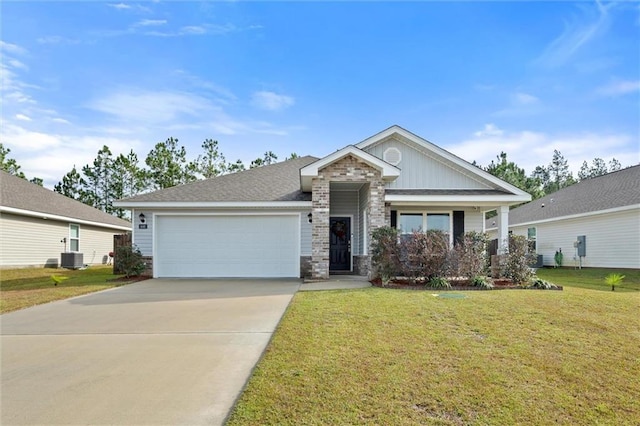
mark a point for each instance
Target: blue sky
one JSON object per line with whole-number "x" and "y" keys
{"x": 311, "y": 77}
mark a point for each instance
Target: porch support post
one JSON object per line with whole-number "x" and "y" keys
{"x": 320, "y": 228}
{"x": 503, "y": 229}
{"x": 377, "y": 210}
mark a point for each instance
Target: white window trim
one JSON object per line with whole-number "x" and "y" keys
{"x": 424, "y": 214}
{"x": 74, "y": 238}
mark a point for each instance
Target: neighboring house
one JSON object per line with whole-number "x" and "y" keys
{"x": 605, "y": 210}
{"x": 314, "y": 216}
{"x": 37, "y": 225}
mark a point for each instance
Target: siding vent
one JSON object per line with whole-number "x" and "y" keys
{"x": 392, "y": 155}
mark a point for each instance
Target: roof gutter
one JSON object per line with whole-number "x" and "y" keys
{"x": 47, "y": 216}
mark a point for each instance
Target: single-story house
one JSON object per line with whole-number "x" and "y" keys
{"x": 603, "y": 213}
{"x": 37, "y": 225}
{"x": 314, "y": 216}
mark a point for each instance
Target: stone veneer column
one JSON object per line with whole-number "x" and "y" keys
{"x": 377, "y": 209}
{"x": 320, "y": 228}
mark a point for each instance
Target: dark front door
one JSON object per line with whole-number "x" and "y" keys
{"x": 340, "y": 244}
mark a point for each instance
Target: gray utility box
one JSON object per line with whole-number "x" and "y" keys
{"x": 582, "y": 245}
{"x": 71, "y": 260}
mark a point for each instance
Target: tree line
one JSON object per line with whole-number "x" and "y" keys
{"x": 109, "y": 178}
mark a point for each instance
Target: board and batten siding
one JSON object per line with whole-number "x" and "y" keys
{"x": 143, "y": 238}
{"x": 613, "y": 239}
{"x": 345, "y": 203}
{"x": 419, "y": 170}
{"x": 31, "y": 241}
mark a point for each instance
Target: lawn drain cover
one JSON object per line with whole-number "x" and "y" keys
{"x": 451, "y": 296}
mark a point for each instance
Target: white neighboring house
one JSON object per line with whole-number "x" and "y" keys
{"x": 605, "y": 210}
{"x": 37, "y": 225}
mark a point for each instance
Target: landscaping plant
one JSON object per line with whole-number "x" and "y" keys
{"x": 516, "y": 265}
{"x": 613, "y": 280}
{"x": 385, "y": 253}
{"x": 469, "y": 255}
{"x": 129, "y": 260}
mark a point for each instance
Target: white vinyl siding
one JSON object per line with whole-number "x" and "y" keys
{"x": 227, "y": 245}
{"x": 143, "y": 238}
{"x": 613, "y": 239}
{"x": 31, "y": 241}
{"x": 305, "y": 234}
{"x": 473, "y": 220}
{"x": 421, "y": 170}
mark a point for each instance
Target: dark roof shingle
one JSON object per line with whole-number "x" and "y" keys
{"x": 21, "y": 194}
{"x": 275, "y": 182}
{"x": 617, "y": 189}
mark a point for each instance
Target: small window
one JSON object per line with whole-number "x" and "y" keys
{"x": 531, "y": 236}
{"x": 410, "y": 222}
{"x": 439, "y": 222}
{"x": 74, "y": 237}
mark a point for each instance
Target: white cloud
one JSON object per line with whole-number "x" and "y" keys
{"x": 619, "y": 88}
{"x": 150, "y": 22}
{"x": 22, "y": 117}
{"x": 57, "y": 40}
{"x": 521, "y": 98}
{"x": 119, "y": 6}
{"x": 132, "y": 105}
{"x": 529, "y": 149}
{"x": 271, "y": 101}
{"x": 577, "y": 34}
{"x": 60, "y": 120}
{"x": 12, "y": 48}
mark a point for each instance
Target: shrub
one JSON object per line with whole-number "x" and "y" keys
{"x": 385, "y": 253}
{"x": 128, "y": 259}
{"x": 516, "y": 266}
{"x": 469, "y": 255}
{"x": 424, "y": 254}
{"x": 613, "y": 280}
{"x": 481, "y": 281}
{"x": 438, "y": 282}
{"x": 536, "y": 282}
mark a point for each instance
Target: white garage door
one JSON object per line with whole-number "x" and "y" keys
{"x": 227, "y": 246}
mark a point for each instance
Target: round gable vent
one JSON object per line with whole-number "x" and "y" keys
{"x": 392, "y": 156}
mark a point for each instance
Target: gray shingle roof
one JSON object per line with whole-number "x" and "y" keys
{"x": 275, "y": 182}
{"x": 21, "y": 194}
{"x": 617, "y": 189}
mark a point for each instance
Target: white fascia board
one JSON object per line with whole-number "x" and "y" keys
{"x": 388, "y": 171}
{"x": 211, "y": 204}
{"x": 476, "y": 200}
{"x": 47, "y": 216}
{"x": 442, "y": 153}
{"x": 579, "y": 215}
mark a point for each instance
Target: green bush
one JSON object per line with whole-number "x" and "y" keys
{"x": 516, "y": 265}
{"x": 129, "y": 260}
{"x": 385, "y": 253}
{"x": 438, "y": 282}
{"x": 481, "y": 281}
{"x": 613, "y": 280}
{"x": 536, "y": 282}
{"x": 469, "y": 255}
{"x": 424, "y": 254}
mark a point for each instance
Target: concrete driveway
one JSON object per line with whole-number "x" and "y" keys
{"x": 157, "y": 352}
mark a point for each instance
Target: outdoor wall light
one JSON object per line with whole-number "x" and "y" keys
{"x": 310, "y": 217}
{"x": 142, "y": 218}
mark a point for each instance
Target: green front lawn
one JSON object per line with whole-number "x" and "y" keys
{"x": 25, "y": 287}
{"x": 591, "y": 278}
{"x": 396, "y": 357}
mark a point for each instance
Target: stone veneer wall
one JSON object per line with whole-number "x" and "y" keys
{"x": 148, "y": 266}
{"x": 305, "y": 266}
{"x": 361, "y": 264}
{"x": 347, "y": 169}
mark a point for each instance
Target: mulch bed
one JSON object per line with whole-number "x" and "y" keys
{"x": 456, "y": 285}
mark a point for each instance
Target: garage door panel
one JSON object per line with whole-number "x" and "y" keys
{"x": 227, "y": 246}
